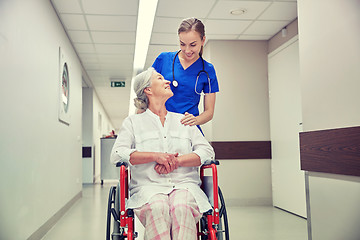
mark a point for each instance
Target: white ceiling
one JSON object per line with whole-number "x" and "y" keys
{"x": 103, "y": 34}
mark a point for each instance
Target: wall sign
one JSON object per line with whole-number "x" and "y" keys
{"x": 118, "y": 84}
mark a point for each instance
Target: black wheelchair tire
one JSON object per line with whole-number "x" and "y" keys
{"x": 224, "y": 224}
{"x": 203, "y": 227}
{"x": 223, "y": 216}
{"x": 109, "y": 217}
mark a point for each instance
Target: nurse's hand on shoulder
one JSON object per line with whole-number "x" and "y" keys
{"x": 189, "y": 119}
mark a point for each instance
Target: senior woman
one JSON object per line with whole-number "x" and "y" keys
{"x": 164, "y": 157}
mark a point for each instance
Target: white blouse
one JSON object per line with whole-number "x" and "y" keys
{"x": 145, "y": 133}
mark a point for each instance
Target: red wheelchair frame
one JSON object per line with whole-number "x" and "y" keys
{"x": 209, "y": 227}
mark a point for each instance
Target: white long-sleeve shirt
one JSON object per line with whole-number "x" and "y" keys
{"x": 145, "y": 133}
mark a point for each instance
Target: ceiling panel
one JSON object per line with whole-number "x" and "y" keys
{"x": 67, "y": 6}
{"x": 111, "y": 23}
{"x": 74, "y": 21}
{"x": 113, "y": 37}
{"x": 184, "y": 8}
{"x": 280, "y": 11}
{"x": 85, "y": 47}
{"x": 226, "y": 26}
{"x": 222, "y": 36}
{"x": 91, "y": 66}
{"x": 115, "y": 48}
{"x": 112, "y": 58}
{"x": 80, "y": 36}
{"x": 166, "y": 25}
{"x": 119, "y": 72}
{"x": 164, "y": 38}
{"x": 89, "y": 57}
{"x": 110, "y": 7}
{"x": 252, "y": 9}
{"x": 265, "y": 27}
{"x": 95, "y": 74}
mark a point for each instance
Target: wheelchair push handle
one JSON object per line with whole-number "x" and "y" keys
{"x": 119, "y": 164}
{"x": 209, "y": 162}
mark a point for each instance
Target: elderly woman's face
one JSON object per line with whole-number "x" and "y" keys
{"x": 159, "y": 86}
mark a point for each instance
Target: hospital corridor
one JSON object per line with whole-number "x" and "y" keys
{"x": 239, "y": 115}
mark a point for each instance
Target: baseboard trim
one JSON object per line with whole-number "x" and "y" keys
{"x": 38, "y": 234}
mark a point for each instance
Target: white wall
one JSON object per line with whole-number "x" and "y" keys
{"x": 329, "y": 63}
{"x": 87, "y": 133}
{"x": 334, "y": 206}
{"x": 242, "y": 105}
{"x": 100, "y": 129}
{"x": 329, "y": 73}
{"x": 40, "y": 157}
{"x": 88, "y": 120}
{"x": 93, "y": 130}
{"x": 241, "y": 114}
{"x": 279, "y": 39}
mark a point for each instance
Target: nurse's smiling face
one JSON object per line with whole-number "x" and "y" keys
{"x": 190, "y": 45}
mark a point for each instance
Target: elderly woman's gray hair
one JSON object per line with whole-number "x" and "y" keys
{"x": 142, "y": 81}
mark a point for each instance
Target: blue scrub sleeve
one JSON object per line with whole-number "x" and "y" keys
{"x": 213, "y": 81}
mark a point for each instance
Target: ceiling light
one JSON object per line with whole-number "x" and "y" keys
{"x": 239, "y": 11}
{"x": 145, "y": 21}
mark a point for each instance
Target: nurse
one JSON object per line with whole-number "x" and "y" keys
{"x": 190, "y": 75}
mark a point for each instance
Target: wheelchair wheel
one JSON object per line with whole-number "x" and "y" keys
{"x": 112, "y": 215}
{"x": 203, "y": 227}
{"x": 223, "y": 231}
{"x": 110, "y": 203}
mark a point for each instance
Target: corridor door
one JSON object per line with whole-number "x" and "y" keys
{"x": 288, "y": 181}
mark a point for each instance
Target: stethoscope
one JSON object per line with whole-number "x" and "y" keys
{"x": 176, "y": 83}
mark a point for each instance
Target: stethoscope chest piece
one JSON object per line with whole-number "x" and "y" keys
{"x": 175, "y": 83}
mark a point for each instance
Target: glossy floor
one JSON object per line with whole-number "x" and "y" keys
{"x": 86, "y": 219}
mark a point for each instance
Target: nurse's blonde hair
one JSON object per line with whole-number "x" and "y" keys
{"x": 142, "y": 81}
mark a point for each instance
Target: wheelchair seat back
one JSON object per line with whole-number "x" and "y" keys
{"x": 208, "y": 188}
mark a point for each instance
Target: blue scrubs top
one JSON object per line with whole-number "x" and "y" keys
{"x": 185, "y": 98}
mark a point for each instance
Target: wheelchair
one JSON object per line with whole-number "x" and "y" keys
{"x": 212, "y": 226}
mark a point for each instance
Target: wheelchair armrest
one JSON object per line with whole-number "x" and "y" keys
{"x": 209, "y": 162}
{"x": 119, "y": 164}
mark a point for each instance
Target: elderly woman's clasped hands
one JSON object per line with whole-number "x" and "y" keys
{"x": 166, "y": 163}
